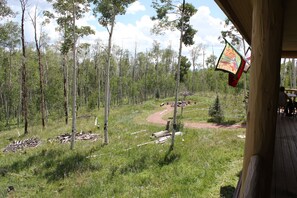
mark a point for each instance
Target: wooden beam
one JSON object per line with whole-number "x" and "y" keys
{"x": 264, "y": 85}
{"x": 289, "y": 54}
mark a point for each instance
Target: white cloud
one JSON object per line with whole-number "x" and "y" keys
{"x": 135, "y": 7}
{"x": 126, "y": 35}
{"x": 209, "y": 29}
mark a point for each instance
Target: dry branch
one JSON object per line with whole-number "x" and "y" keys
{"x": 78, "y": 136}
{"x": 22, "y": 144}
{"x": 134, "y": 133}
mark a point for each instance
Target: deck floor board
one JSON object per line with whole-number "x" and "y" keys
{"x": 284, "y": 182}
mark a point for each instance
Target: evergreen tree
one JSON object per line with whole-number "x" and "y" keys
{"x": 215, "y": 111}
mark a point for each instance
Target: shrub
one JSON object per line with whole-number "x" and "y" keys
{"x": 215, "y": 111}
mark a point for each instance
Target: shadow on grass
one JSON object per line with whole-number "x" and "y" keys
{"x": 135, "y": 166}
{"x": 43, "y": 156}
{"x": 223, "y": 123}
{"x": 66, "y": 166}
{"x": 169, "y": 157}
{"x": 51, "y": 164}
{"x": 227, "y": 191}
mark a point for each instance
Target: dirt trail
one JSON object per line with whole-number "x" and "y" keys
{"x": 157, "y": 119}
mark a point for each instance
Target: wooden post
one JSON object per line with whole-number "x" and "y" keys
{"x": 264, "y": 85}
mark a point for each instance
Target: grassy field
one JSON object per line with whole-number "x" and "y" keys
{"x": 204, "y": 162}
{"x": 232, "y": 106}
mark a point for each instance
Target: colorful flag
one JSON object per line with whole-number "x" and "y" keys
{"x": 233, "y": 79}
{"x": 232, "y": 62}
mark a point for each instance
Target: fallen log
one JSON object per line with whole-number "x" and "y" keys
{"x": 146, "y": 143}
{"x": 163, "y": 139}
{"x": 134, "y": 133}
{"x": 160, "y": 134}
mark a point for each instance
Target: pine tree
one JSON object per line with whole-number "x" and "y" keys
{"x": 215, "y": 111}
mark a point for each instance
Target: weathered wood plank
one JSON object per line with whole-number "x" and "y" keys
{"x": 290, "y": 133}
{"x": 278, "y": 171}
{"x": 264, "y": 85}
{"x": 285, "y": 159}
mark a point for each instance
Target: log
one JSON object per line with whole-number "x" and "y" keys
{"x": 134, "y": 133}
{"x": 163, "y": 139}
{"x": 146, "y": 143}
{"x": 160, "y": 134}
{"x": 178, "y": 133}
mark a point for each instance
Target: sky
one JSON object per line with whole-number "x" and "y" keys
{"x": 134, "y": 28}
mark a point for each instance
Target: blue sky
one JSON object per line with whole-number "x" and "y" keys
{"x": 135, "y": 27}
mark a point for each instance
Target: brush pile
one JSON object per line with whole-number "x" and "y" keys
{"x": 78, "y": 136}
{"x": 22, "y": 144}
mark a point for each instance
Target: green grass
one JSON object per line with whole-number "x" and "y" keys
{"x": 203, "y": 162}
{"x": 232, "y": 106}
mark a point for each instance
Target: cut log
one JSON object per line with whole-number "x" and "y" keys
{"x": 163, "y": 139}
{"x": 178, "y": 133}
{"x": 160, "y": 134}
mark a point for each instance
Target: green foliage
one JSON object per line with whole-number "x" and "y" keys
{"x": 10, "y": 34}
{"x": 109, "y": 9}
{"x": 183, "y": 12}
{"x": 64, "y": 17}
{"x": 232, "y": 33}
{"x": 215, "y": 111}
{"x": 5, "y": 10}
{"x": 184, "y": 68}
{"x": 202, "y": 162}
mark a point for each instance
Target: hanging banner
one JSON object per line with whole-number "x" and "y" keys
{"x": 233, "y": 79}
{"x": 232, "y": 62}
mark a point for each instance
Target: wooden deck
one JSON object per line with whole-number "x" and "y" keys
{"x": 284, "y": 182}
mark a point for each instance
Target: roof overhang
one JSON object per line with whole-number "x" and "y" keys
{"x": 240, "y": 13}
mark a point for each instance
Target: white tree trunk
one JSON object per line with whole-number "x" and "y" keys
{"x": 74, "y": 83}
{"x": 107, "y": 84}
{"x": 177, "y": 81}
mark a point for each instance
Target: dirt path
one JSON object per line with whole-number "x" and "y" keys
{"x": 157, "y": 119}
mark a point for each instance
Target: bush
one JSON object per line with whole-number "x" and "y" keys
{"x": 215, "y": 111}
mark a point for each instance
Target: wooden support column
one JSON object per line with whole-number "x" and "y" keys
{"x": 263, "y": 95}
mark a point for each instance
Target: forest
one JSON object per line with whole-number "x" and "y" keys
{"x": 51, "y": 88}
{"x": 135, "y": 77}
{"x": 42, "y": 72}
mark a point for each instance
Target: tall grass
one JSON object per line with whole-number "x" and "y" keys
{"x": 202, "y": 163}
